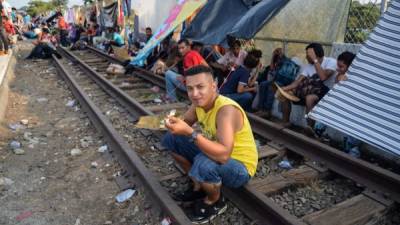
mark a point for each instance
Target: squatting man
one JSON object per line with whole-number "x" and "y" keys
{"x": 223, "y": 153}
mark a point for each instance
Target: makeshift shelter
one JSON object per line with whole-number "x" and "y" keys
{"x": 109, "y": 15}
{"x": 182, "y": 10}
{"x": 237, "y": 18}
{"x": 367, "y": 105}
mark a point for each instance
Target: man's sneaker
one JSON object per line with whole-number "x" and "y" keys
{"x": 220, "y": 206}
{"x": 189, "y": 195}
{"x": 204, "y": 213}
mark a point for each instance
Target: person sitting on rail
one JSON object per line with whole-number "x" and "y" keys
{"x": 232, "y": 59}
{"x": 174, "y": 80}
{"x": 312, "y": 83}
{"x": 74, "y": 34}
{"x": 160, "y": 66}
{"x": 44, "y": 47}
{"x": 236, "y": 86}
{"x": 206, "y": 52}
{"x": 222, "y": 153}
{"x": 351, "y": 145}
{"x": 115, "y": 39}
{"x": 281, "y": 70}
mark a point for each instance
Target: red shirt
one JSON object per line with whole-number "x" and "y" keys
{"x": 62, "y": 25}
{"x": 9, "y": 27}
{"x": 191, "y": 59}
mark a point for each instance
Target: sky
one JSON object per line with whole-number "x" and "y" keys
{"x": 20, "y": 3}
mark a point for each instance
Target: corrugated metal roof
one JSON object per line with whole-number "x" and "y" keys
{"x": 367, "y": 105}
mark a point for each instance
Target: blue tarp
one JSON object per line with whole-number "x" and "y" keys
{"x": 237, "y": 18}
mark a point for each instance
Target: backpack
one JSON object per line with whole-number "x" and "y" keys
{"x": 287, "y": 72}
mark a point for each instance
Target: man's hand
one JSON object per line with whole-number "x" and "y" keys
{"x": 286, "y": 88}
{"x": 178, "y": 126}
{"x": 232, "y": 65}
{"x": 311, "y": 54}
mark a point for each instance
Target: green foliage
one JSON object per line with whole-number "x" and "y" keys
{"x": 88, "y": 2}
{"x": 36, "y": 7}
{"x": 59, "y": 3}
{"x": 362, "y": 19}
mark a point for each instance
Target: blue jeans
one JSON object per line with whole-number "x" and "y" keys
{"x": 266, "y": 95}
{"x": 243, "y": 99}
{"x": 205, "y": 170}
{"x": 172, "y": 83}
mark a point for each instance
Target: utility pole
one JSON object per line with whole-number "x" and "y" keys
{"x": 383, "y": 6}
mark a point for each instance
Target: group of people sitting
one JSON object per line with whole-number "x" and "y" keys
{"x": 224, "y": 152}
{"x": 241, "y": 76}
{"x": 55, "y": 31}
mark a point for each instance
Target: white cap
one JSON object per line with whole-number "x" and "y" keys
{"x": 37, "y": 31}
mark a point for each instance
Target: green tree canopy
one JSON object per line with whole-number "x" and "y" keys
{"x": 36, "y": 7}
{"x": 362, "y": 19}
{"x": 87, "y": 1}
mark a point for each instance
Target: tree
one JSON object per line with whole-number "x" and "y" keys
{"x": 88, "y": 2}
{"x": 36, "y": 7}
{"x": 362, "y": 20}
{"x": 59, "y": 3}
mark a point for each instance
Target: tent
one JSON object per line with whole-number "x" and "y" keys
{"x": 237, "y": 18}
{"x": 182, "y": 10}
{"x": 367, "y": 105}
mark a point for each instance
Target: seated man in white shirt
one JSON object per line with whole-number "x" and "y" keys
{"x": 232, "y": 59}
{"x": 312, "y": 84}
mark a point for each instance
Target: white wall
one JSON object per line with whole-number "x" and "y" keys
{"x": 152, "y": 13}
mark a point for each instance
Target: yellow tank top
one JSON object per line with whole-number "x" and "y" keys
{"x": 244, "y": 147}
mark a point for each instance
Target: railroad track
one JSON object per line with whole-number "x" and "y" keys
{"x": 121, "y": 100}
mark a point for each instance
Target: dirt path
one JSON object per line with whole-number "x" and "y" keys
{"x": 46, "y": 184}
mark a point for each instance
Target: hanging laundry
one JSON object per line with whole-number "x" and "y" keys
{"x": 109, "y": 15}
{"x": 120, "y": 14}
{"x": 126, "y": 4}
{"x": 70, "y": 18}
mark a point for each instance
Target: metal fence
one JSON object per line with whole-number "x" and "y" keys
{"x": 363, "y": 16}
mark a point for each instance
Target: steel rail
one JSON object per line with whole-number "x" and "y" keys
{"x": 373, "y": 177}
{"x": 254, "y": 204}
{"x": 133, "y": 107}
{"x": 142, "y": 73}
{"x": 126, "y": 154}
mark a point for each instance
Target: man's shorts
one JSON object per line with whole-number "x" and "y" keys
{"x": 205, "y": 170}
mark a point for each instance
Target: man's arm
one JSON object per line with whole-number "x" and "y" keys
{"x": 254, "y": 76}
{"x": 218, "y": 66}
{"x": 244, "y": 88}
{"x": 227, "y": 124}
{"x": 190, "y": 116}
{"x": 243, "y": 82}
{"x": 294, "y": 84}
{"x": 221, "y": 63}
{"x": 323, "y": 74}
{"x": 204, "y": 63}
